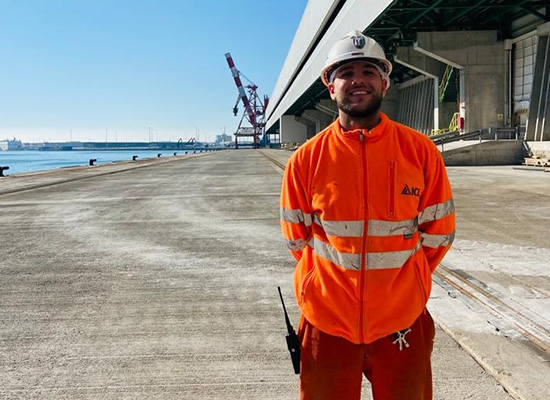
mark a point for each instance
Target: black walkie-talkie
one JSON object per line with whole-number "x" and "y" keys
{"x": 292, "y": 340}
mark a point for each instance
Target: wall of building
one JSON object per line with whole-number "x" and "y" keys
{"x": 6, "y": 145}
{"x": 480, "y": 57}
{"x": 538, "y": 123}
{"x": 416, "y": 105}
{"x": 540, "y": 149}
{"x": 523, "y": 70}
{"x": 355, "y": 14}
{"x": 390, "y": 105}
{"x": 292, "y": 131}
{"x": 509, "y": 152}
{"x": 485, "y": 64}
{"x": 311, "y": 26}
{"x": 432, "y": 70}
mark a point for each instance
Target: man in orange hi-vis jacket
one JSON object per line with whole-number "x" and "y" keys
{"x": 367, "y": 211}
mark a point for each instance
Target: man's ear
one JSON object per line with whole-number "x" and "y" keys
{"x": 331, "y": 90}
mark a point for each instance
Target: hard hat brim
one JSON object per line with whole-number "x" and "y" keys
{"x": 383, "y": 66}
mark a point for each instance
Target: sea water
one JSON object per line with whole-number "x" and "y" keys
{"x": 33, "y": 160}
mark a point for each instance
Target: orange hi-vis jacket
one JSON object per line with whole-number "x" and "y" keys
{"x": 369, "y": 215}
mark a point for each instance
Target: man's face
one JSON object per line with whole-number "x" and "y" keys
{"x": 358, "y": 89}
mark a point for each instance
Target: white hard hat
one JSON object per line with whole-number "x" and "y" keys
{"x": 355, "y": 47}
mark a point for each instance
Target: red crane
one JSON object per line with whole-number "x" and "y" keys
{"x": 254, "y": 108}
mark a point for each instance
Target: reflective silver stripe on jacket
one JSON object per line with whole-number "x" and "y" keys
{"x": 352, "y": 261}
{"x": 376, "y": 227}
{"x": 295, "y": 216}
{"x": 296, "y": 245}
{"x": 437, "y": 211}
{"x": 434, "y": 241}
{"x": 340, "y": 228}
{"x": 345, "y": 260}
{"x": 392, "y": 228}
{"x": 390, "y": 259}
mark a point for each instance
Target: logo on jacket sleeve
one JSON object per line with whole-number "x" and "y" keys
{"x": 407, "y": 191}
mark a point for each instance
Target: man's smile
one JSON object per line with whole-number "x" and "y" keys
{"x": 359, "y": 92}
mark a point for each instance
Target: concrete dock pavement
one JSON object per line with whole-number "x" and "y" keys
{"x": 31, "y": 180}
{"x": 156, "y": 282}
{"x": 161, "y": 282}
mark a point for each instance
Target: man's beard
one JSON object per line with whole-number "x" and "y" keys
{"x": 368, "y": 110}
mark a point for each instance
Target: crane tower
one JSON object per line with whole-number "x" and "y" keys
{"x": 254, "y": 108}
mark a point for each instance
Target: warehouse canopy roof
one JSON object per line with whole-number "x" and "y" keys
{"x": 397, "y": 25}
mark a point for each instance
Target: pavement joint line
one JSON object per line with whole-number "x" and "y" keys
{"x": 478, "y": 359}
{"x": 467, "y": 293}
{"x": 116, "y": 387}
{"x": 523, "y": 320}
{"x": 279, "y": 167}
{"x": 150, "y": 163}
{"x": 203, "y": 355}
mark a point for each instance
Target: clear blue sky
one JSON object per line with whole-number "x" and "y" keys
{"x": 118, "y": 69}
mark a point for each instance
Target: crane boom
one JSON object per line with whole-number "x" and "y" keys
{"x": 240, "y": 87}
{"x": 254, "y": 108}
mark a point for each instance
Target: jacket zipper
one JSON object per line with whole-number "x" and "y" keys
{"x": 363, "y": 278}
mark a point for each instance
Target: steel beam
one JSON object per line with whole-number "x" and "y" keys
{"x": 506, "y": 11}
{"x": 411, "y": 22}
{"x": 466, "y": 11}
{"x": 535, "y": 13}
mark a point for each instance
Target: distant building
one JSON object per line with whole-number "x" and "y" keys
{"x": 14, "y": 144}
{"x": 223, "y": 139}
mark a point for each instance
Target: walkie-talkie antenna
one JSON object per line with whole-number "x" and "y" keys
{"x": 288, "y": 324}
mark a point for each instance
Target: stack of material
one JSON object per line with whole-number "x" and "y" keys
{"x": 290, "y": 146}
{"x": 536, "y": 161}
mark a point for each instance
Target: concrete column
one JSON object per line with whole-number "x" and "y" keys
{"x": 321, "y": 119}
{"x": 508, "y": 73}
{"x": 292, "y": 131}
{"x": 328, "y": 106}
{"x": 330, "y": 111}
{"x": 480, "y": 58}
{"x": 390, "y": 105}
{"x": 310, "y": 124}
{"x": 311, "y": 121}
{"x": 538, "y": 124}
{"x": 462, "y": 97}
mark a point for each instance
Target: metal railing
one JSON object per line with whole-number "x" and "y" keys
{"x": 516, "y": 133}
{"x": 445, "y": 82}
{"x": 453, "y": 126}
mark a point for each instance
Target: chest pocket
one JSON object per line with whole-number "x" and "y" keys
{"x": 403, "y": 189}
{"x": 391, "y": 180}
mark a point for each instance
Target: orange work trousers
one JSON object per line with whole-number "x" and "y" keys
{"x": 332, "y": 367}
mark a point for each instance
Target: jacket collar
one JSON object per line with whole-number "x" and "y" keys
{"x": 355, "y": 134}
